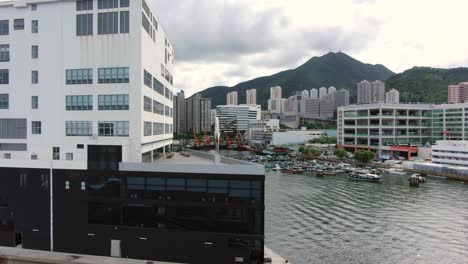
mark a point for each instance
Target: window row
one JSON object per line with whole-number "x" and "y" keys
{"x": 79, "y": 103}
{"x": 113, "y": 102}
{"x": 83, "y": 5}
{"x": 157, "y": 86}
{"x": 113, "y": 129}
{"x": 105, "y": 128}
{"x": 158, "y": 129}
{"x": 156, "y": 107}
{"x": 18, "y": 24}
{"x": 114, "y": 75}
{"x": 79, "y": 76}
{"x": 108, "y": 23}
{"x": 165, "y": 73}
{"x": 78, "y": 128}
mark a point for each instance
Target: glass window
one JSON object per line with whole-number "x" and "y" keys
{"x": 114, "y": 75}
{"x": 79, "y": 102}
{"x": 125, "y": 21}
{"x": 34, "y": 52}
{"x": 158, "y": 129}
{"x": 4, "y": 101}
{"x": 147, "y": 78}
{"x": 5, "y": 52}
{"x": 34, "y": 77}
{"x": 147, "y": 104}
{"x": 113, "y": 102}
{"x": 4, "y": 27}
{"x": 84, "y": 25}
{"x": 113, "y": 129}
{"x": 82, "y": 5}
{"x": 36, "y": 127}
{"x": 124, "y": 3}
{"x": 108, "y": 23}
{"x": 146, "y": 24}
{"x": 79, "y": 128}
{"x": 35, "y": 102}
{"x": 147, "y": 129}
{"x": 35, "y": 26}
{"x": 18, "y": 24}
{"x": 107, "y": 4}
{"x": 158, "y": 86}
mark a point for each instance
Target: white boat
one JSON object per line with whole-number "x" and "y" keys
{"x": 276, "y": 168}
{"x": 394, "y": 171}
{"x": 360, "y": 176}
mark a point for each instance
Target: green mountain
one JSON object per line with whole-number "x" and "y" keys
{"x": 424, "y": 84}
{"x": 332, "y": 69}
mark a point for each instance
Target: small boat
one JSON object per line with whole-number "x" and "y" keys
{"x": 415, "y": 180}
{"x": 361, "y": 176}
{"x": 398, "y": 172}
{"x": 276, "y": 168}
{"x": 293, "y": 171}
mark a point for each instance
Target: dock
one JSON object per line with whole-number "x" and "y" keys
{"x": 275, "y": 258}
{"x": 27, "y": 256}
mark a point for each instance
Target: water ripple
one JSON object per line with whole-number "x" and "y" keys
{"x": 332, "y": 220}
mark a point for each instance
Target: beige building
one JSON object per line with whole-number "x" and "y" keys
{"x": 371, "y": 92}
{"x": 458, "y": 93}
{"x": 392, "y": 97}
{"x": 251, "y": 97}
{"x": 231, "y": 98}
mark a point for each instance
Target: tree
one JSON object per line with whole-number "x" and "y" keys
{"x": 323, "y": 140}
{"x": 314, "y": 152}
{"x": 341, "y": 153}
{"x": 363, "y": 156}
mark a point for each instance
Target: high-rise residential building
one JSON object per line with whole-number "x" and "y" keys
{"x": 331, "y": 89}
{"x": 314, "y": 93}
{"x": 251, "y": 97}
{"x": 86, "y": 95}
{"x": 180, "y": 121}
{"x": 197, "y": 114}
{"x": 392, "y": 97}
{"x": 322, "y": 92}
{"x": 341, "y": 98}
{"x": 399, "y": 129}
{"x": 231, "y": 98}
{"x": 276, "y": 104}
{"x": 458, "y": 93}
{"x": 371, "y": 92}
{"x": 275, "y": 92}
{"x": 305, "y": 94}
{"x": 237, "y": 117}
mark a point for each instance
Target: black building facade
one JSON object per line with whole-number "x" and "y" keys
{"x": 199, "y": 216}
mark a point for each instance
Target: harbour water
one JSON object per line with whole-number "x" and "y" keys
{"x": 334, "y": 220}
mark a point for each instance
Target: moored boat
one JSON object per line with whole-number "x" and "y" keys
{"x": 363, "y": 176}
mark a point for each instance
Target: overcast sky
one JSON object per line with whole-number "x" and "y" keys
{"x": 223, "y": 42}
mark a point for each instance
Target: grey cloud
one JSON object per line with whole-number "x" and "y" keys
{"x": 204, "y": 30}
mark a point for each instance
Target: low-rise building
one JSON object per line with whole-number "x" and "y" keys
{"x": 261, "y": 131}
{"x": 450, "y": 152}
{"x": 399, "y": 129}
{"x": 294, "y": 137}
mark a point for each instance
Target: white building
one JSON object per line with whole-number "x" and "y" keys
{"x": 305, "y": 94}
{"x": 237, "y": 117}
{"x": 295, "y": 137}
{"x": 261, "y": 131}
{"x": 331, "y": 90}
{"x": 231, "y": 98}
{"x": 450, "y": 153}
{"x": 251, "y": 97}
{"x": 322, "y": 92}
{"x": 275, "y": 92}
{"x": 314, "y": 94}
{"x": 392, "y": 97}
{"x": 84, "y": 79}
